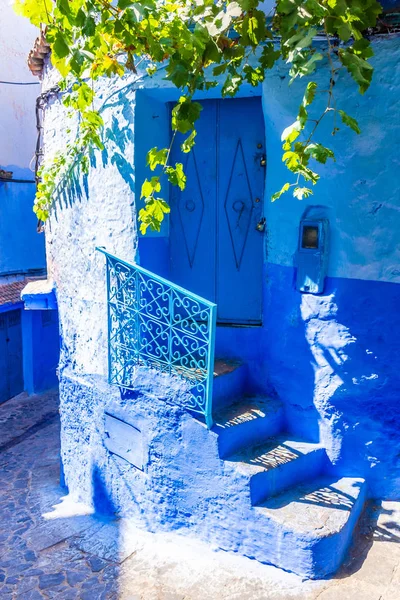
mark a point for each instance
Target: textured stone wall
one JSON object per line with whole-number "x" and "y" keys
{"x": 97, "y": 210}
{"x": 333, "y": 359}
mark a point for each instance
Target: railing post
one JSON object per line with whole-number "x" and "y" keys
{"x": 137, "y": 318}
{"x": 108, "y": 318}
{"x": 210, "y": 367}
{"x": 171, "y": 322}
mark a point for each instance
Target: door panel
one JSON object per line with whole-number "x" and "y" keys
{"x": 3, "y": 358}
{"x": 11, "y": 373}
{"x": 240, "y": 208}
{"x": 15, "y": 376}
{"x": 216, "y": 251}
{"x": 192, "y": 222}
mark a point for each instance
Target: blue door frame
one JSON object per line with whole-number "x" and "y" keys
{"x": 216, "y": 227}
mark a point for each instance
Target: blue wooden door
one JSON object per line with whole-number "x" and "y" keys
{"x": 215, "y": 244}
{"x": 11, "y": 375}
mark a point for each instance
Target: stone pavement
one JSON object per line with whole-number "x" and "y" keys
{"x": 51, "y": 547}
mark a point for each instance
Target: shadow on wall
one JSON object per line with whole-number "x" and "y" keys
{"x": 73, "y": 188}
{"x": 122, "y": 138}
{"x": 362, "y": 351}
{"x": 333, "y": 360}
{"x": 287, "y": 354}
{"x": 102, "y": 501}
{"x": 118, "y": 139}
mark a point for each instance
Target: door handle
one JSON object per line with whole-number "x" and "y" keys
{"x": 261, "y": 225}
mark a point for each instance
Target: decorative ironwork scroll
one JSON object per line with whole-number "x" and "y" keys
{"x": 153, "y": 322}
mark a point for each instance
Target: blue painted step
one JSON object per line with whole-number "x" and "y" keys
{"x": 229, "y": 382}
{"x": 309, "y": 527}
{"x": 278, "y": 464}
{"x": 250, "y": 420}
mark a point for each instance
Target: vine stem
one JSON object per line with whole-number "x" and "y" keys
{"x": 331, "y": 98}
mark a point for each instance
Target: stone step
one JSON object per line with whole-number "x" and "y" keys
{"x": 310, "y": 526}
{"x": 248, "y": 421}
{"x": 229, "y": 382}
{"x": 278, "y": 464}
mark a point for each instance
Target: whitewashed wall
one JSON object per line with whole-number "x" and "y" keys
{"x": 17, "y": 103}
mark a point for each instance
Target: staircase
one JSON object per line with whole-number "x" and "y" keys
{"x": 304, "y": 514}
{"x": 240, "y": 480}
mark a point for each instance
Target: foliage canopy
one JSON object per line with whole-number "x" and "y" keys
{"x": 203, "y": 44}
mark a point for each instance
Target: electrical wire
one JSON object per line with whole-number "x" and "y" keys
{"x": 20, "y": 82}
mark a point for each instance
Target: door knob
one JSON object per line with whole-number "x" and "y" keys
{"x": 261, "y": 225}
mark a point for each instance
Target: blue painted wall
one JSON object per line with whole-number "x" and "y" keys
{"x": 22, "y": 249}
{"x": 151, "y": 129}
{"x": 336, "y": 366}
{"x": 41, "y": 343}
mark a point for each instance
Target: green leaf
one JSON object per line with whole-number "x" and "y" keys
{"x": 149, "y": 187}
{"x": 269, "y": 56}
{"x": 64, "y": 7}
{"x": 32, "y": 9}
{"x": 124, "y": 4}
{"x": 319, "y": 152}
{"x": 89, "y": 27}
{"x": 360, "y": 69}
{"x": 176, "y": 176}
{"x": 231, "y": 85}
{"x": 349, "y": 121}
{"x": 302, "y": 116}
{"x": 184, "y": 114}
{"x": 291, "y": 159}
{"x": 363, "y": 48}
{"x": 255, "y": 26}
{"x": 220, "y": 69}
{"x": 156, "y": 157}
{"x": 277, "y": 195}
{"x": 177, "y": 73}
{"x": 152, "y": 214}
{"x": 301, "y": 39}
{"x": 60, "y": 46}
{"x": 94, "y": 119}
{"x": 291, "y": 133}
{"x": 307, "y": 173}
{"x": 253, "y": 75}
{"x": 302, "y": 192}
{"x": 188, "y": 144}
{"x": 306, "y": 67}
{"x": 310, "y": 92}
{"x": 85, "y": 96}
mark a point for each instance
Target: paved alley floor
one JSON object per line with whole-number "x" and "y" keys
{"x": 51, "y": 548}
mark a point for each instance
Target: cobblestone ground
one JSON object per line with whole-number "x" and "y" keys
{"x": 48, "y": 552}
{"x": 31, "y": 566}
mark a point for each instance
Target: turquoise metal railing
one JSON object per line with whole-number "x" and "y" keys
{"x": 153, "y": 322}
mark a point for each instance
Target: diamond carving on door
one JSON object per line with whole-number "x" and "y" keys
{"x": 238, "y": 204}
{"x": 191, "y": 208}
